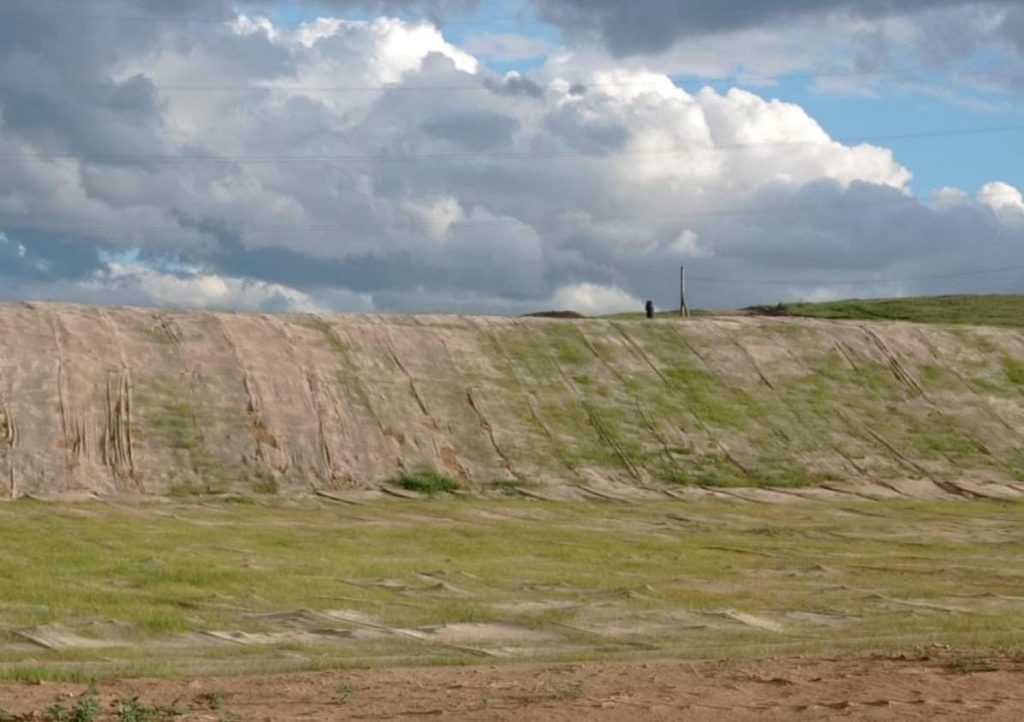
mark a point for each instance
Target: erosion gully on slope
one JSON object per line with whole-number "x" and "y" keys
{"x": 128, "y": 401}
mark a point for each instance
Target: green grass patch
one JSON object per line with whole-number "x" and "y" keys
{"x": 1014, "y": 369}
{"x": 330, "y": 335}
{"x": 265, "y": 483}
{"x": 995, "y": 310}
{"x": 711, "y": 469}
{"x": 426, "y": 480}
{"x": 581, "y": 571}
{"x": 973, "y": 665}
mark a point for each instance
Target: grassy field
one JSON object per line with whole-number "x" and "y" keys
{"x": 159, "y": 589}
{"x": 1007, "y": 311}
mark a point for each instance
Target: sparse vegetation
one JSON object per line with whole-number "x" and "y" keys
{"x": 57, "y": 712}
{"x": 564, "y": 315}
{"x": 426, "y": 480}
{"x": 1014, "y": 370}
{"x": 330, "y": 335}
{"x": 265, "y": 484}
{"x": 973, "y": 665}
{"x": 186, "y": 489}
{"x": 86, "y": 708}
{"x": 132, "y": 710}
{"x": 506, "y": 488}
{"x": 212, "y": 700}
{"x": 712, "y": 469}
{"x": 176, "y": 709}
{"x": 343, "y": 694}
{"x": 175, "y": 424}
{"x": 573, "y": 691}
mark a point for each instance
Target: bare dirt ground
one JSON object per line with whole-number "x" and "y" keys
{"x": 921, "y": 687}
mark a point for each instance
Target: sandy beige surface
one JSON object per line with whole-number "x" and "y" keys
{"x": 116, "y": 401}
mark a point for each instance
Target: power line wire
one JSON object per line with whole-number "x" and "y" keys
{"x": 509, "y": 155}
{"x": 507, "y": 21}
{"x": 533, "y": 223}
{"x": 556, "y": 85}
{"x": 856, "y": 282}
{"x": 738, "y": 78}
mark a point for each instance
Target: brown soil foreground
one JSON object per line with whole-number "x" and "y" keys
{"x": 919, "y": 688}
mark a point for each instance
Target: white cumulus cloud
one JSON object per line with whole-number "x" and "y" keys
{"x": 1002, "y": 198}
{"x": 593, "y": 299}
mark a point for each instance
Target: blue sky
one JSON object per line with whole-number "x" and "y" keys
{"x": 966, "y": 161}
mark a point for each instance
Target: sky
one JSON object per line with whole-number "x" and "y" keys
{"x": 478, "y": 156}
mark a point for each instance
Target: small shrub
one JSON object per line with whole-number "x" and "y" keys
{"x": 176, "y": 709}
{"x": 131, "y": 710}
{"x": 185, "y": 490}
{"x": 720, "y": 480}
{"x": 213, "y": 700}
{"x": 236, "y": 499}
{"x": 57, "y": 712}
{"x": 343, "y": 694}
{"x": 426, "y": 481}
{"x": 676, "y": 475}
{"x": 573, "y": 691}
{"x": 86, "y": 708}
{"x": 793, "y": 478}
{"x": 266, "y": 484}
{"x": 973, "y": 666}
{"x": 505, "y": 488}
{"x": 700, "y": 477}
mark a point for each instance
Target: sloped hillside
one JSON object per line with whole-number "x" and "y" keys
{"x": 128, "y": 401}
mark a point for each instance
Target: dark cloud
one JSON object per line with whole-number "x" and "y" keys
{"x": 647, "y": 26}
{"x": 435, "y": 10}
{"x": 515, "y": 85}
{"x": 57, "y": 84}
{"x": 1012, "y": 28}
{"x": 587, "y": 134}
{"x": 477, "y": 130}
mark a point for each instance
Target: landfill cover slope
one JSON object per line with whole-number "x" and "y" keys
{"x": 112, "y": 401}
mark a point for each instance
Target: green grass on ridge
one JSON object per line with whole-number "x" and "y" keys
{"x": 1004, "y": 310}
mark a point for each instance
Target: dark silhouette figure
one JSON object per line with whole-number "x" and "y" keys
{"x": 649, "y": 308}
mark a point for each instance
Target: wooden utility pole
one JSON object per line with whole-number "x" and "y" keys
{"x": 684, "y": 309}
